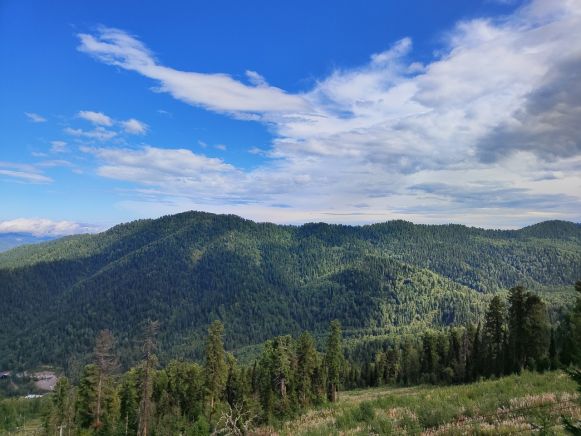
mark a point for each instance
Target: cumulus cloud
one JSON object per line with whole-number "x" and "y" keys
{"x": 547, "y": 123}
{"x": 98, "y": 118}
{"x": 498, "y": 103}
{"x": 169, "y": 171}
{"x": 131, "y": 126}
{"x": 45, "y": 227}
{"x": 35, "y": 118}
{"x": 134, "y": 127}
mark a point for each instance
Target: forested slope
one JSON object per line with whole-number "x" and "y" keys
{"x": 262, "y": 280}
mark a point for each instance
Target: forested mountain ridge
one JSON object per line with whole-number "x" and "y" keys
{"x": 262, "y": 280}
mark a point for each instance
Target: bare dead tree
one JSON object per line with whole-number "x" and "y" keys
{"x": 148, "y": 365}
{"x": 106, "y": 362}
{"x": 234, "y": 422}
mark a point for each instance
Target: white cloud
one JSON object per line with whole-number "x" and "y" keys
{"x": 58, "y": 146}
{"x": 23, "y": 172}
{"x": 101, "y": 120}
{"x": 45, "y": 227}
{"x": 256, "y": 150}
{"x": 218, "y": 92}
{"x": 499, "y": 103}
{"x": 134, "y": 127}
{"x": 256, "y": 79}
{"x": 172, "y": 171}
{"x": 30, "y": 177}
{"x": 98, "y": 133}
{"x": 98, "y": 118}
{"x": 53, "y": 163}
{"x": 35, "y": 118}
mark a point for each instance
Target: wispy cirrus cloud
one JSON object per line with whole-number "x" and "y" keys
{"x": 98, "y": 133}
{"x": 218, "y": 91}
{"x": 388, "y": 132}
{"x": 25, "y": 176}
{"x": 26, "y": 173}
{"x": 35, "y": 118}
{"x": 33, "y": 173}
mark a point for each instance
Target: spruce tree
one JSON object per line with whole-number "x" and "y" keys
{"x": 282, "y": 367}
{"x": 264, "y": 380}
{"x": 553, "y": 355}
{"x": 410, "y": 369}
{"x": 235, "y": 388}
{"x": 216, "y": 370}
{"x": 516, "y": 324}
{"x": 333, "y": 360}
{"x": 128, "y": 404}
{"x": 493, "y": 336}
{"x": 536, "y": 333}
{"x": 477, "y": 358}
{"x": 87, "y": 396}
{"x": 392, "y": 365}
{"x": 62, "y": 414}
{"x": 430, "y": 359}
{"x": 306, "y": 367}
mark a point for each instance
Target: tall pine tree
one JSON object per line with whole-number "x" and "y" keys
{"x": 493, "y": 336}
{"x": 306, "y": 367}
{"x": 516, "y": 323}
{"x": 334, "y": 360}
{"x": 215, "y": 367}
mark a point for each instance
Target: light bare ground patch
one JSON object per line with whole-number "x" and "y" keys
{"x": 310, "y": 421}
{"x": 358, "y": 396}
{"x": 45, "y": 380}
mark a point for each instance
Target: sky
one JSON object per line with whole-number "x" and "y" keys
{"x": 337, "y": 111}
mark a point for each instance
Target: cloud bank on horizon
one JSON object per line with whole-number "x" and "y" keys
{"x": 45, "y": 227}
{"x": 486, "y": 133}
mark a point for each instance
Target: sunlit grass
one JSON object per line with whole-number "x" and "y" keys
{"x": 527, "y": 403}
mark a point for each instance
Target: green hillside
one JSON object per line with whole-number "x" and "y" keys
{"x": 263, "y": 280}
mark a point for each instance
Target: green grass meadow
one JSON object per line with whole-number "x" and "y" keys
{"x": 529, "y": 403}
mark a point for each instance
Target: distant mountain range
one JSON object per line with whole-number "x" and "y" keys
{"x": 12, "y": 240}
{"x": 263, "y": 280}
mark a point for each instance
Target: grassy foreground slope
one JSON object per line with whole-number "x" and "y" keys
{"x": 529, "y": 403}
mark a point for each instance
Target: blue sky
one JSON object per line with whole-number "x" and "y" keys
{"x": 336, "y": 111}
